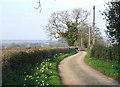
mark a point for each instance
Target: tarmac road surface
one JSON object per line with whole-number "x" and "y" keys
{"x": 74, "y": 71}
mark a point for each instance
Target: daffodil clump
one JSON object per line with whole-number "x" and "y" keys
{"x": 33, "y": 66}
{"x": 41, "y": 73}
{"x": 45, "y": 73}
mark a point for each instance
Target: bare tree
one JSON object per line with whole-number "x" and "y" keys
{"x": 63, "y": 22}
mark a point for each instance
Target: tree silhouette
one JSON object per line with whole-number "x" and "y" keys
{"x": 112, "y": 17}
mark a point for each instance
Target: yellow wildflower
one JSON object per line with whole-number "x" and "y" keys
{"x": 42, "y": 70}
{"x": 26, "y": 75}
{"x": 37, "y": 76}
{"x": 51, "y": 72}
{"x": 36, "y": 80}
{"x": 42, "y": 81}
{"x": 24, "y": 84}
{"x": 25, "y": 78}
{"x": 37, "y": 68}
{"x": 40, "y": 84}
{"x": 43, "y": 84}
{"x": 47, "y": 84}
{"x": 30, "y": 76}
{"x": 45, "y": 77}
{"x": 36, "y": 73}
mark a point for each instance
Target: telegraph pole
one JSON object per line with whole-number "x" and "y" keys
{"x": 81, "y": 40}
{"x": 81, "y": 43}
{"x": 89, "y": 36}
{"x": 93, "y": 24}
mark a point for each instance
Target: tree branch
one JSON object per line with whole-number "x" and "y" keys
{"x": 39, "y": 6}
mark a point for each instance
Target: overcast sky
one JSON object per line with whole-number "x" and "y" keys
{"x": 20, "y": 21}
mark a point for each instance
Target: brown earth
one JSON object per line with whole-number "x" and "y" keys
{"x": 74, "y": 71}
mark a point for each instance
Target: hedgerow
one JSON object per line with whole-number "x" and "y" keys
{"x": 14, "y": 65}
{"x": 109, "y": 68}
{"x": 106, "y": 53}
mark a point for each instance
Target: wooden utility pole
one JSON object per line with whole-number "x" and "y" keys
{"x": 81, "y": 43}
{"x": 93, "y": 24}
{"x": 81, "y": 40}
{"x": 89, "y": 36}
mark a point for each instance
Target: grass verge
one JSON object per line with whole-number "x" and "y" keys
{"x": 109, "y": 68}
{"x": 40, "y": 74}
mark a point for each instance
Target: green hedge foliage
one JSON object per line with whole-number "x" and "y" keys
{"x": 106, "y": 53}
{"x": 34, "y": 68}
{"x": 17, "y": 61}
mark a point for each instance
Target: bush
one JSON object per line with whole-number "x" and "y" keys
{"x": 20, "y": 65}
{"x": 106, "y": 53}
{"x": 109, "y": 68}
{"x": 16, "y": 61}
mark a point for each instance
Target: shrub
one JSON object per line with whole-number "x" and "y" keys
{"x": 30, "y": 63}
{"x": 106, "y": 53}
{"x": 17, "y": 61}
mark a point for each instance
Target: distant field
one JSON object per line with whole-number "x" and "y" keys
{"x": 8, "y": 52}
{"x": 15, "y": 50}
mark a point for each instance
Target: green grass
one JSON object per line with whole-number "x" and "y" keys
{"x": 40, "y": 74}
{"x": 109, "y": 68}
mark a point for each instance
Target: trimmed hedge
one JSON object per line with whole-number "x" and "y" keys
{"x": 109, "y": 68}
{"x": 106, "y": 53}
{"x": 41, "y": 73}
{"x": 18, "y": 60}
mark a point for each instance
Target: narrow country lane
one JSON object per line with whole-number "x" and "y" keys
{"x": 74, "y": 71}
